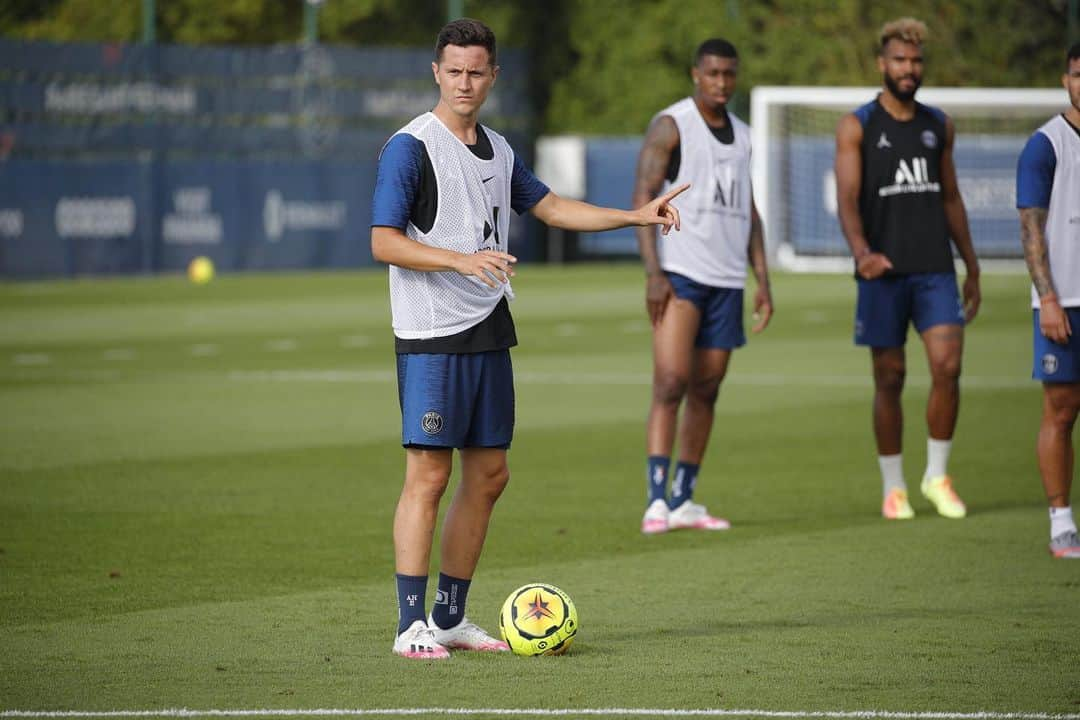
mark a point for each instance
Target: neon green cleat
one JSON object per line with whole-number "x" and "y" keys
{"x": 940, "y": 491}
{"x": 895, "y": 506}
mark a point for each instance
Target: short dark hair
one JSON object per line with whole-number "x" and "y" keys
{"x": 1073, "y": 54}
{"x": 715, "y": 46}
{"x": 463, "y": 33}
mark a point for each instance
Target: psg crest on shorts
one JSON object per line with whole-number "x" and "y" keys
{"x": 431, "y": 422}
{"x": 1049, "y": 363}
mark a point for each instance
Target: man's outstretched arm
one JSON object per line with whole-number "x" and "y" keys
{"x": 569, "y": 214}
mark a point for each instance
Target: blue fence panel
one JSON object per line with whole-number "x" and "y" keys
{"x": 134, "y": 158}
{"x": 610, "y": 165}
{"x": 74, "y": 217}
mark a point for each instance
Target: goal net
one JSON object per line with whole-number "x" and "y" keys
{"x": 795, "y": 185}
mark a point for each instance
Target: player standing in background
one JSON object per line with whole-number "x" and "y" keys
{"x": 695, "y": 277}
{"x": 1048, "y": 197}
{"x": 440, "y": 219}
{"x": 899, "y": 205}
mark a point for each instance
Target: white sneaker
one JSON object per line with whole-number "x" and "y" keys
{"x": 691, "y": 516}
{"x": 656, "y": 518}
{"x": 466, "y": 636}
{"x": 418, "y": 643}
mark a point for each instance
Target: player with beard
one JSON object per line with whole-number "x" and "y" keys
{"x": 899, "y": 206}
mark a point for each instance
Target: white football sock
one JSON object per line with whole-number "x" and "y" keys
{"x": 1061, "y": 521}
{"x": 892, "y": 473}
{"x": 937, "y": 458}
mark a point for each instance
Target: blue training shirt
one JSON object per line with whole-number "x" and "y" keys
{"x": 1035, "y": 172}
{"x": 405, "y": 187}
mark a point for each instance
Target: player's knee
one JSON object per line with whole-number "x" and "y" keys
{"x": 705, "y": 392}
{"x": 669, "y": 388}
{"x": 428, "y": 483}
{"x": 492, "y": 481}
{"x": 945, "y": 370}
{"x": 1062, "y": 412}
{"x": 889, "y": 377}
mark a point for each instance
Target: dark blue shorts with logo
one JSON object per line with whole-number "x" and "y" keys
{"x": 1054, "y": 362}
{"x": 458, "y": 400}
{"x": 887, "y": 305}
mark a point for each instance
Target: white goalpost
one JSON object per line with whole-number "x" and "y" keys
{"x": 795, "y": 187}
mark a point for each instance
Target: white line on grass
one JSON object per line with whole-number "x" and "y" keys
{"x": 546, "y": 712}
{"x": 635, "y": 379}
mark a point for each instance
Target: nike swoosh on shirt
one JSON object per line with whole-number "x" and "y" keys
{"x": 488, "y": 178}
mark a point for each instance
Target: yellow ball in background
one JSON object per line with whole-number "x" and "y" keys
{"x": 201, "y": 270}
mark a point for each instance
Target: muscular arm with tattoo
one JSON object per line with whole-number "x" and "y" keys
{"x": 660, "y": 142}
{"x": 1053, "y": 322}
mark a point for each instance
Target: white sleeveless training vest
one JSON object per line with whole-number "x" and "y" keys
{"x": 472, "y": 214}
{"x": 1063, "y": 216}
{"x": 711, "y": 248}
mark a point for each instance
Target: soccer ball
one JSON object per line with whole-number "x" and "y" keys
{"x": 538, "y": 619}
{"x": 201, "y": 270}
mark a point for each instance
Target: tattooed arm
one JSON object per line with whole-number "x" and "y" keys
{"x": 1053, "y": 322}
{"x": 660, "y": 142}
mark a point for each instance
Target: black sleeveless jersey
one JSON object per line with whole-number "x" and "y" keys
{"x": 900, "y": 200}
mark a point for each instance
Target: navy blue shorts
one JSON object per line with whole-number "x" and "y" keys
{"x": 1053, "y": 362}
{"x": 456, "y": 400}
{"x": 721, "y": 312}
{"x": 886, "y": 306}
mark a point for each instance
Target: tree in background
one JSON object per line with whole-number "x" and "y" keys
{"x": 605, "y": 66}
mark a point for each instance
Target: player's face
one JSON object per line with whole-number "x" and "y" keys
{"x": 901, "y": 66}
{"x": 1071, "y": 81}
{"x": 464, "y": 76}
{"x": 714, "y": 79}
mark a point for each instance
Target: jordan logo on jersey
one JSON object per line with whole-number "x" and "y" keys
{"x": 883, "y": 142}
{"x": 912, "y": 176}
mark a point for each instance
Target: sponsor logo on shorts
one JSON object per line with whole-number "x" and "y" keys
{"x": 929, "y": 139}
{"x": 1049, "y": 363}
{"x": 858, "y": 328}
{"x": 431, "y": 423}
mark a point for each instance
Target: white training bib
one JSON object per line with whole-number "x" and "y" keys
{"x": 711, "y": 247}
{"x": 1063, "y": 216}
{"x": 472, "y": 214}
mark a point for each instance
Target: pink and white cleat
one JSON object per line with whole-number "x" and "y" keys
{"x": 466, "y": 636}
{"x": 656, "y": 518}
{"x": 418, "y": 643}
{"x": 691, "y": 516}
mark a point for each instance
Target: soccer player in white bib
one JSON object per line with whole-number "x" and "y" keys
{"x": 695, "y": 278}
{"x": 440, "y": 219}
{"x": 1048, "y": 197}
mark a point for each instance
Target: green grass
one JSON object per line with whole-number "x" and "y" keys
{"x": 197, "y": 486}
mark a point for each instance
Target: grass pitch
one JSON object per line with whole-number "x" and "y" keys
{"x": 197, "y": 486}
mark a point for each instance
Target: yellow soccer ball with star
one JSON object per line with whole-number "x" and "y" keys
{"x": 538, "y": 619}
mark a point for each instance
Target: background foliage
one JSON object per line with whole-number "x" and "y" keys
{"x": 605, "y": 66}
